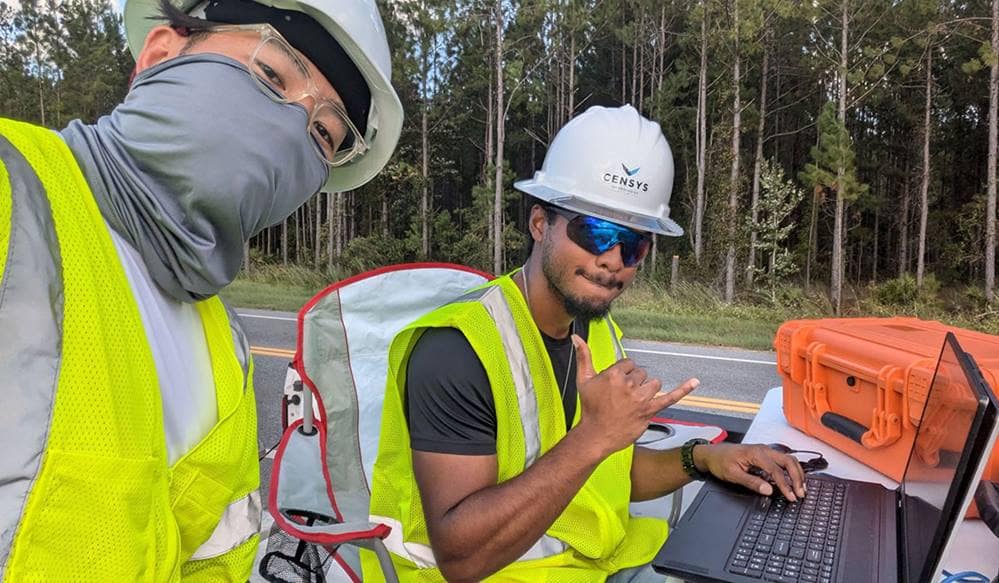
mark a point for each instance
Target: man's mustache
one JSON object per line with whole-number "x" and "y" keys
{"x": 611, "y": 282}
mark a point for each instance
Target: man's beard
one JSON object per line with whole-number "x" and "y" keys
{"x": 577, "y": 307}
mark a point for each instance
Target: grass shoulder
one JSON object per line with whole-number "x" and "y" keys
{"x": 691, "y": 313}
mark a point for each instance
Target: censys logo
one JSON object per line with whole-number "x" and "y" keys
{"x": 627, "y": 180}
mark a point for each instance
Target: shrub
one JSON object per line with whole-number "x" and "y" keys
{"x": 902, "y": 292}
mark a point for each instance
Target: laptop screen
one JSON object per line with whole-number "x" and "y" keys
{"x": 948, "y": 427}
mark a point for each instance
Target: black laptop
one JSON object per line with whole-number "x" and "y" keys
{"x": 846, "y": 530}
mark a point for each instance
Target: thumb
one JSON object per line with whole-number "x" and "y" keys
{"x": 584, "y": 362}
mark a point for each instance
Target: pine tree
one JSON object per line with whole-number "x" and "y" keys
{"x": 832, "y": 172}
{"x": 779, "y": 198}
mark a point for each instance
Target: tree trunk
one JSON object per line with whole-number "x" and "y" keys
{"x": 641, "y": 62}
{"x": 838, "y": 232}
{"x": 338, "y": 203}
{"x": 298, "y": 236}
{"x": 701, "y": 139}
{"x": 330, "y": 218}
{"x": 571, "y": 89}
{"x": 560, "y": 73}
{"x": 284, "y": 242}
{"x": 813, "y": 238}
{"x": 634, "y": 64}
{"x": 385, "y": 217}
{"x": 490, "y": 119}
{"x": 877, "y": 227}
{"x": 352, "y": 214}
{"x": 500, "y": 111}
{"x": 837, "y": 255}
{"x": 425, "y": 190}
{"x": 662, "y": 49}
{"x": 903, "y": 228}
{"x": 624, "y": 70}
{"x": 41, "y": 77}
{"x": 733, "y": 195}
{"x": 925, "y": 187}
{"x": 990, "y": 205}
{"x": 319, "y": 239}
{"x": 758, "y": 165}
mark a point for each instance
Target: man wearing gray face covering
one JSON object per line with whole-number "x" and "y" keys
{"x": 128, "y": 424}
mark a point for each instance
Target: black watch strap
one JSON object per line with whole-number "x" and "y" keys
{"x": 687, "y": 459}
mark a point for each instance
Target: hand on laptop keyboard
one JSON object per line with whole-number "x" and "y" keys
{"x": 753, "y": 466}
{"x": 759, "y": 473}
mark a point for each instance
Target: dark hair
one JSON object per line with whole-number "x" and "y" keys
{"x": 190, "y": 26}
{"x": 550, "y": 215}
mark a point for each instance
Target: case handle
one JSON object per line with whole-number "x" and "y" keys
{"x": 844, "y": 426}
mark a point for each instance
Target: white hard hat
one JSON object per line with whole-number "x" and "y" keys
{"x": 610, "y": 163}
{"x": 357, "y": 27}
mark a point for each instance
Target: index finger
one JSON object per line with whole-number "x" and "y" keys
{"x": 793, "y": 468}
{"x": 664, "y": 399}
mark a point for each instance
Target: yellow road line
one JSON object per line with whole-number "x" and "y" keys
{"x": 267, "y": 351}
{"x": 689, "y": 401}
{"x": 723, "y": 404}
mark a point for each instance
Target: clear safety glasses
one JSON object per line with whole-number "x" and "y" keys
{"x": 598, "y": 236}
{"x": 284, "y": 77}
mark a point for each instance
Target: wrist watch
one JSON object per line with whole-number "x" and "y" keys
{"x": 687, "y": 459}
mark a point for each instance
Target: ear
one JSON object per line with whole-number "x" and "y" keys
{"x": 162, "y": 43}
{"x": 537, "y": 223}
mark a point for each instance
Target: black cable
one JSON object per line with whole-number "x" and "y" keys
{"x": 268, "y": 452}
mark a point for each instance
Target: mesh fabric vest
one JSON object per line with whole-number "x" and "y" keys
{"x": 86, "y": 493}
{"x": 594, "y": 536}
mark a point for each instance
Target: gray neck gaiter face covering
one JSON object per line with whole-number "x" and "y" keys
{"x": 195, "y": 162}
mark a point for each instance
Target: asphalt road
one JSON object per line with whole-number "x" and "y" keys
{"x": 733, "y": 381}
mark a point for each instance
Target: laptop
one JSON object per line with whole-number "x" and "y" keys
{"x": 847, "y": 530}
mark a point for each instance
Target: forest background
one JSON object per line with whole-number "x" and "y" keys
{"x": 833, "y": 157}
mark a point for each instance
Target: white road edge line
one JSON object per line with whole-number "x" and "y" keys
{"x": 259, "y": 317}
{"x": 703, "y": 356}
{"x": 638, "y": 350}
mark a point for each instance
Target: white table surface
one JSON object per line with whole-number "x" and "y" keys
{"x": 973, "y": 548}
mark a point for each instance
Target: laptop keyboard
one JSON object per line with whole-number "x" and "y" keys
{"x": 793, "y": 541}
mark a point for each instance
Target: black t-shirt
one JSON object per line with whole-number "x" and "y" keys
{"x": 449, "y": 401}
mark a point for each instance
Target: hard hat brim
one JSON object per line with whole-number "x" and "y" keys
{"x": 659, "y": 225}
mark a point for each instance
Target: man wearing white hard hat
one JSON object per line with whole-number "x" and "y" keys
{"x": 128, "y": 423}
{"x": 510, "y": 414}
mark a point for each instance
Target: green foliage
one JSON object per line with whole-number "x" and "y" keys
{"x": 986, "y": 55}
{"x": 779, "y": 197}
{"x": 833, "y": 166}
{"x": 902, "y": 292}
{"x": 291, "y": 275}
{"x": 364, "y": 253}
{"x": 61, "y": 60}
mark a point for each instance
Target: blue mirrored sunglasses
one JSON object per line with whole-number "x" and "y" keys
{"x": 598, "y": 236}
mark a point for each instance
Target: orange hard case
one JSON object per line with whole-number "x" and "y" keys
{"x": 859, "y": 384}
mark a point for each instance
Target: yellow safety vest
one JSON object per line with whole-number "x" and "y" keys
{"x": 595, "y": 536}
{"x": 86, "y": 493}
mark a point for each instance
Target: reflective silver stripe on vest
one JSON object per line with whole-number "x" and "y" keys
{"x": 239, "y": 522}
{"x": 422, "y": 555}
{"x": 31, "y": 315}
{"x": 497, "y": 306}
{"x": 618, "y": 348}
{"x": 495, "y": 303}
{"x": 240, "y": 342}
